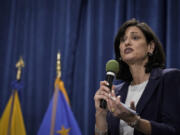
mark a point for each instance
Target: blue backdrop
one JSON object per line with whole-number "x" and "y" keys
{"x": 83, "y": 31}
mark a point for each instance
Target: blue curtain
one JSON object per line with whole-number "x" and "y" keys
{"x": 83, "y": 31}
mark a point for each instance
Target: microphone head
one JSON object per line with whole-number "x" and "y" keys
{"x": 112, "y": 66}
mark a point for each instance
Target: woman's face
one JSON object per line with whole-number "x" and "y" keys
{"x": 133, "y": 46}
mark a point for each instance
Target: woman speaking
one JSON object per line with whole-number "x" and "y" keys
{"x": 147, "y": 88}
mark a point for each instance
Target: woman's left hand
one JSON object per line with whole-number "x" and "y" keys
{"x": 118, "y": 109}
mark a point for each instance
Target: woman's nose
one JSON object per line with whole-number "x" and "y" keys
{"x": 127, "y": 42}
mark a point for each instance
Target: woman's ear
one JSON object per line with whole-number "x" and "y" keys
{"x": 151, "y": 47}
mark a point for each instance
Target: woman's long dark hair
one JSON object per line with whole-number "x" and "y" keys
{"x": 157, "y": 59}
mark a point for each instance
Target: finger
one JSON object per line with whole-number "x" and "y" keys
{"x": 113, "y": 93}
{"x": 110, "y": 103}
{"x": 113, "y": 87}
{"x": 132, "y": 105}
{"x": 105, "y": 88}
{"x": 118, "y": 99}
{"x": 100, "y": 94}
{"x": 98, "y": 102}
{"x": 103, "y": 91}
{"x": 112, "y": 96}
{"x": 104, "y": 83}
{"x": 98, "y": 97}
{"x": 118, "y": 102}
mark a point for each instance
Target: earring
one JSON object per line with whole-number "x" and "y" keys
{"x": 149, "y": 54}
{"x": 120, "y": 58}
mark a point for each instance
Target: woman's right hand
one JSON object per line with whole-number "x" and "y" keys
{"x": 102, "y": 93}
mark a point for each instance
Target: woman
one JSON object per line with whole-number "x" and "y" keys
{"x": 149, "y": 89}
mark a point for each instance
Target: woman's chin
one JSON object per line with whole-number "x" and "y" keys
{"x": 135, "y": 60}
{"x": 129, "y": 60}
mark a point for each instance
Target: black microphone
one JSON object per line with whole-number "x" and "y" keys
{"x": 112, "y": 68}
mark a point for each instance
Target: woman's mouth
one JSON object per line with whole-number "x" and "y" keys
{"x": 128, "y": 50}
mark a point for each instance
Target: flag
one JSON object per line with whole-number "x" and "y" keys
{"x": 12, "y": 122}
{"x": 59, "y": 119}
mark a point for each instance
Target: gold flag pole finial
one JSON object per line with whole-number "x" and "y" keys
{"x": 58, "y": 65}
{"x": 19, "y": 66}
{"x": 55, "y": 99}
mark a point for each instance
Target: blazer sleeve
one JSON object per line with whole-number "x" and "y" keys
{"x": 169, "y": 123}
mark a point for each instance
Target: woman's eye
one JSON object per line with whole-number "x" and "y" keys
{"x": 122, "y": 39}
{"x": 135, "y": 37}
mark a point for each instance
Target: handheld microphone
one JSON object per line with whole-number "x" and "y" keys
{"x": 112, "y": 68}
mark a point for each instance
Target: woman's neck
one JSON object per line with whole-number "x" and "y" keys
{"x": 138, "y": 74}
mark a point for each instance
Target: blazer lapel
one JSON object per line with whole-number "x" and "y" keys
{"x": 123, "y": 92}
{"x": 149, "y": 90}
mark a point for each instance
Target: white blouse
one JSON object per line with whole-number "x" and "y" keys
{"x": 134, "y": 94}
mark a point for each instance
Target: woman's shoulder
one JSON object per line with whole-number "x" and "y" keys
{"x": 167, "y": 72}
{"x": 171, "y": 75}
{"x": 171, "y": 72}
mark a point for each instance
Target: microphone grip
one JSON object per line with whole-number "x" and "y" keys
{"x": 109, "y": 79}
{"x": 103, "y": 103}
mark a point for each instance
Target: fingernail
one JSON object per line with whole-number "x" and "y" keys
{"x": 107, "y": 83}
{"x": 113, "y": 98}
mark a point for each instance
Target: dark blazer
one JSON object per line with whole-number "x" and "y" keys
{"x": 159, "y": 103}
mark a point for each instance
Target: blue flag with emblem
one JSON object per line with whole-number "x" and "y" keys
{"x": 59, "y": 119}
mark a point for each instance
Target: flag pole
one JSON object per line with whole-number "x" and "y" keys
{"x": 19, "y": 66}
{"x": 55, "y": 99}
